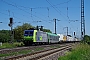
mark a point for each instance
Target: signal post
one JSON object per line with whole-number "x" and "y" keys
{"x": 11, "y": 32}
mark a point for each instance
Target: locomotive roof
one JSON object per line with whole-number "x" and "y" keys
{"x": 52, "y": 34}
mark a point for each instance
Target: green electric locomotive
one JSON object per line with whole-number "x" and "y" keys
{"x": 39, "y": 37}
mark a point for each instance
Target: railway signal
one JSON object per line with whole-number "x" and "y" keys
{"x": 11, "y": 20}
{"x": 10, "y": 25}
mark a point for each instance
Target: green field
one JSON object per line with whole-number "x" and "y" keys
{"x": 80, "y": 52}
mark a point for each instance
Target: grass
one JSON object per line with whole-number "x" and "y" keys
{"x": 16, "y": 53}
{"x": 10, "y": 45}
{"x": 7, "y": 45}
{"x": 80, "y": 52}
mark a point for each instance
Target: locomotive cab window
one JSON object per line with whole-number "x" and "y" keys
{"x": 28, "y": 32}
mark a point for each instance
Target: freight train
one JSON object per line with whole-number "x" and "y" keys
{"x": 39, "y": 37}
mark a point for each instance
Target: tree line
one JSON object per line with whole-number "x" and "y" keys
{"x": 18, "y": 33}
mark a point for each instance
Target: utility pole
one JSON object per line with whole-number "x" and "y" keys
{"x": 55, "y": 26}
{"x": 67, "y": 30}
{"x": 82, "y": 20}
{"x": 55, "y": 23}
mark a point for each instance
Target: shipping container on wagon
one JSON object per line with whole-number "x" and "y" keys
{"x": 62, "y": 37}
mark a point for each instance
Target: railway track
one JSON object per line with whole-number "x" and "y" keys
{"x": 9, "y": 50}
{"x": 41, "y": 55}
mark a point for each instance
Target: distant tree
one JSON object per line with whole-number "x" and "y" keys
{"x": 18, "y": 33}
{"x": 26, "y": 26}
{"x": 19, "y": 30}
{"x": 4, "y": 36}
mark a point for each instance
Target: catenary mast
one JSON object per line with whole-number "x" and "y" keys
{"x": 82, "y": 20}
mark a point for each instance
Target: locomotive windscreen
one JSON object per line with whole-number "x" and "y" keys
{"x": 28, "y": 32}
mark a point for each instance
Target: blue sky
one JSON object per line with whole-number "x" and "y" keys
{"x": 45, "y": 11}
